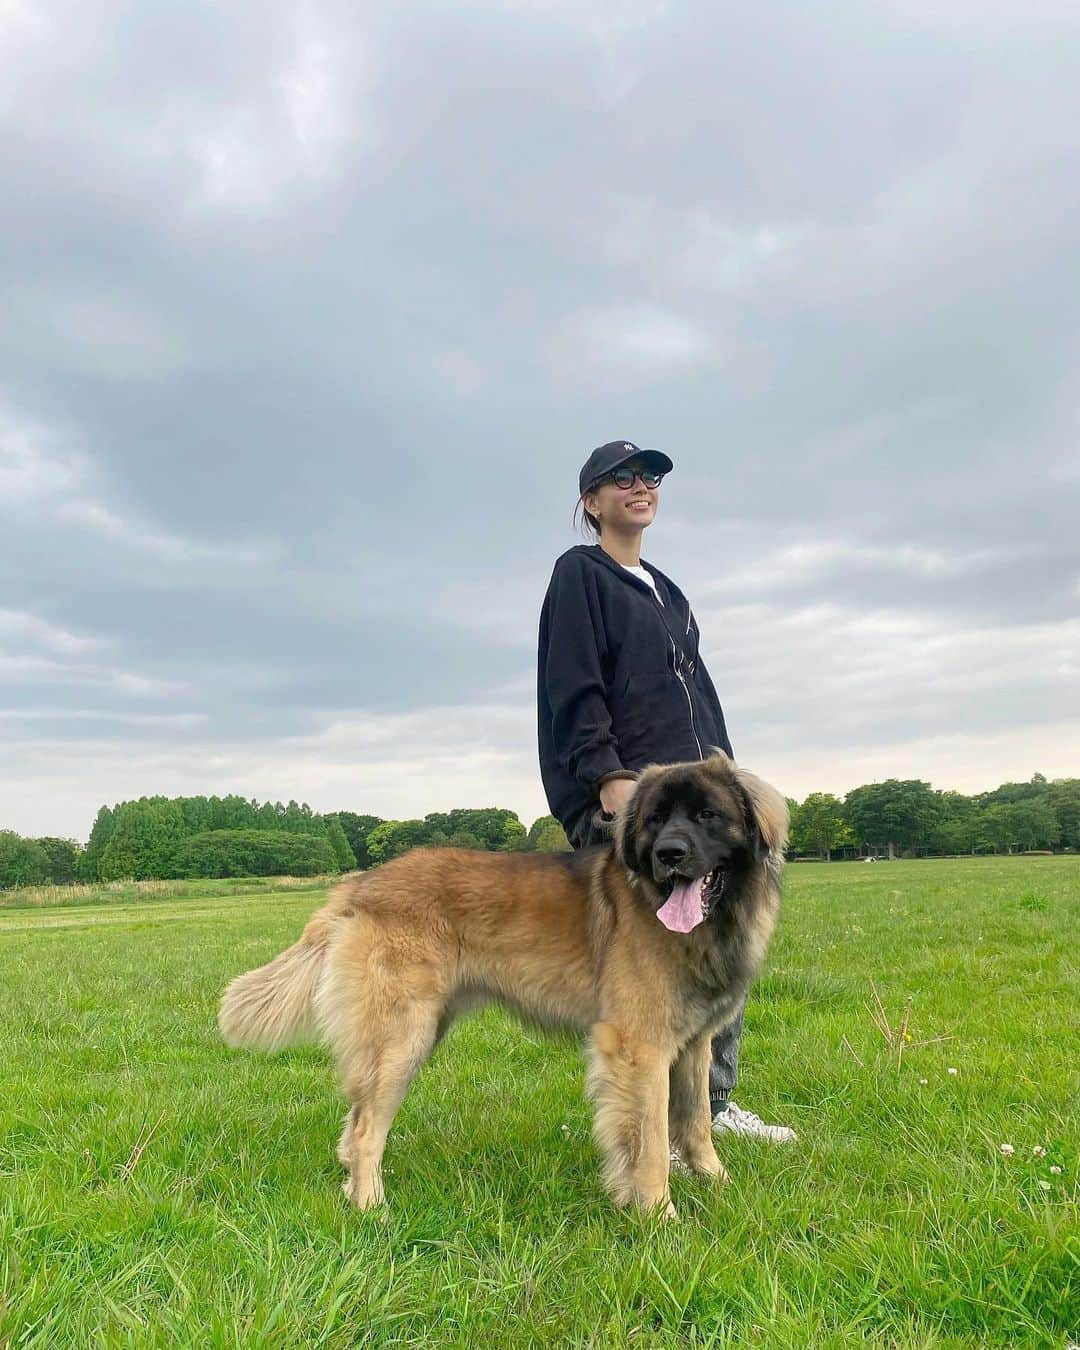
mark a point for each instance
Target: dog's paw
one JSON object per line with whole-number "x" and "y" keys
{"x": 363, "y": 1197}
{"x": 698, "y": 1162}
{"x": 660, "y": 1210}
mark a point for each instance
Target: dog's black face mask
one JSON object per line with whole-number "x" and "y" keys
{"x": 690, "y": 838}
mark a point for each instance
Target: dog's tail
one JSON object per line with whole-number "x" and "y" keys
{"x": 271, "y": 1007}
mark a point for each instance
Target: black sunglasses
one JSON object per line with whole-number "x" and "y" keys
{"x": 624, "y": 478}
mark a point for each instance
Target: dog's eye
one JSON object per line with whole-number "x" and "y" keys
{"x": 707, "y": 813}
{"x": 654, "y": 818}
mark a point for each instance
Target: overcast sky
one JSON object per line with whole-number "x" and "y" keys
{"x": 309, "y": 315}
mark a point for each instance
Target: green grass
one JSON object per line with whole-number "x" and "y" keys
{"x": 126, "y": 892}
{"x": 897, "y": 1221}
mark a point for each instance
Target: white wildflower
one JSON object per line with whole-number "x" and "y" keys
{"x": 1039, "y": 1151}
{"x": 953, "y": 1072}
{"x": 1007, "y": 1150}
{"x": 1056, "y": 1170}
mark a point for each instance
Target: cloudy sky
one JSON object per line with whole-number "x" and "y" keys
{"x": 310, "y": 313}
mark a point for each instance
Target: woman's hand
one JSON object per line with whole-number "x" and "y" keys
{"x": 615, "y": 793}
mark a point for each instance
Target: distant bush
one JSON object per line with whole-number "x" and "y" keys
{"x": 357, "y": 828}
{"x": 489, "y": 828}
{"x": 253, "y": 853}
{"x": 64, "y": 857}
{"x": 23, "y": 862}
{"x": 547, "y": 836}
{"x": 142, "y": 839}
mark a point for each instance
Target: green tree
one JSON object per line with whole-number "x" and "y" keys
{"x": 818, "y": 825}
{"x": 63, "y": 855}
{"x": 140, "y": 838}
{"x": 343, "y": 854}
{"x": 23, "y": 862}
{"x": 513, "y": 834}
{"x": 901, "y": 813}
{"x": 144, "y": 839}
{"x": 1035, "y": 823}
{"x": 1020, "y": 824}
{"x": 234, "y": 812}
{"x": 394, "y": 837}
{"x": 299, "y": 818}
{"x": 253, "y": 853}
{"x": 357, "y": 828}
{"x": 1016, "y": 792}
{"x": 498, "y": 830}
{"x": 1063, "y": 794}
{"x": 459, "y": 839}
{"x": 955, "y": 830}
{"x": 546, "y": 835}
{"x": 197, "y": 813}
{"x": 90, "y": 862}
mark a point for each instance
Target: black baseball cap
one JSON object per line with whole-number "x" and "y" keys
{"x": 607, "y": 457}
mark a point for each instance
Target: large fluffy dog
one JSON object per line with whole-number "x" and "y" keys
{"x": 648, "y": 944}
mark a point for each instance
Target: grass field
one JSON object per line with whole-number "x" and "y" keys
{"x": 159, "y": 1189}
{"x": 129, "y": 892}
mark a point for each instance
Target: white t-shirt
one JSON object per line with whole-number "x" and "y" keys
{"x": 646, "y": 577}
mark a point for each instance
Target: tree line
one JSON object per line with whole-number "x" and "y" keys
{"x": 165, "y": 837}
{"x": 909, "y": 816}
{"x": 168, "y": 837}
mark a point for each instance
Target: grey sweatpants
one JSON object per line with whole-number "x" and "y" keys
{"x": 724, "y": 1069}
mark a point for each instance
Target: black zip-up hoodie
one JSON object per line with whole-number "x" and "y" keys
{"x": 620, "y": 682}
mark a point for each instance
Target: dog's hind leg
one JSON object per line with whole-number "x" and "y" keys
{"x": 689, "y": 1121}
{"x": 628, "y": 1080}
{"x": 375, "y": 1079}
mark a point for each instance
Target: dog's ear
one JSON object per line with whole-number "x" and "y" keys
{"x": 766, "y": 815}
{"x": 626, "y": 833}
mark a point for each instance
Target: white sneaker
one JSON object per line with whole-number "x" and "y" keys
{"x": 734, "y": 1120}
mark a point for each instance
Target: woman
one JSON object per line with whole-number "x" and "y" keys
{"x": 621, "y": 684}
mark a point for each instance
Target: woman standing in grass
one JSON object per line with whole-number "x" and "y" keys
{"x": 621, "y": 684}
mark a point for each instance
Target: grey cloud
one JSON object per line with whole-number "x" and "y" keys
{"x": 311, "y": 313}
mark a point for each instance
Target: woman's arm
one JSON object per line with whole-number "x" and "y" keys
{"x": 707, "y": 692}
{"x": 709, "y": 696}
{"x": 571, "y": 650}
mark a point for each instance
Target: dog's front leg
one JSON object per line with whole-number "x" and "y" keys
{"x": 628, "y": 1080}
{"x": 689, "y": 1121}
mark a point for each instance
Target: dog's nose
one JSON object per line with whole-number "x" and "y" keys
{"x": 671, "y": 852}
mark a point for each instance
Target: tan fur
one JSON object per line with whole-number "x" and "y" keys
{"x": 270, "y": 1008}
{"x": 397, "y": 953}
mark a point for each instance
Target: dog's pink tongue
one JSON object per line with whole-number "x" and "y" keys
{"x": 682, "y": 910}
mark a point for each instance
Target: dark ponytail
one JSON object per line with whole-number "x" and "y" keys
{"x": 590, "y": 525}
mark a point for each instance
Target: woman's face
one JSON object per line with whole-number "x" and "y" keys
{"x": 624, "y": 509}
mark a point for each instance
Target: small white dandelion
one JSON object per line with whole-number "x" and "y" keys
{"x": 565, "y": 1129}
{"x": 1039, "y": 1151}
{"x": 1044, "y": 1185}
{"x": 1007, "y": 1150}
{"x": 923, "y": 1082}
{"x": 952, "y": 1072}
{"x": 1056, "y": 1170}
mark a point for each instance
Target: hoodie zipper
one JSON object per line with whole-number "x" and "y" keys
{"x": 679, "y": 674}
{"x": 686, "y": 691}
{"x": 674, "y": 656}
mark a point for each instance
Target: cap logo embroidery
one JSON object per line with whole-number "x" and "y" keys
{"x": 627, "y": 445}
